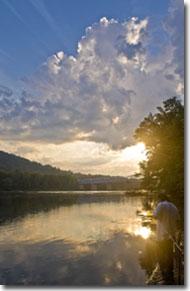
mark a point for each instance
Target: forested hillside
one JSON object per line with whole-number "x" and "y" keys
{"x": 10, "y": 162}
{"x": 17, "y": 173}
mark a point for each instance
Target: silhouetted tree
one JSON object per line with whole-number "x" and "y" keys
{"x": 163, "y": 135}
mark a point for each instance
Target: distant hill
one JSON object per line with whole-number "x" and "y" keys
{"x": 11, "y": 162}
{"x": 17, "y": 173}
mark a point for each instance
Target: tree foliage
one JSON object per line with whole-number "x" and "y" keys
{"x": 163, "y": 136}
{"x": 34, "y": 181}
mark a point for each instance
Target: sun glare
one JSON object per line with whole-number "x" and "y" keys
{"x": 136, "y": 152}
{"x": 144, "y": 232}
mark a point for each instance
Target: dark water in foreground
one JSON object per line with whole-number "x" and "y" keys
{"x": 90, "y": 242}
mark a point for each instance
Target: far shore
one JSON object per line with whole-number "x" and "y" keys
{"x": 131, "y": 192}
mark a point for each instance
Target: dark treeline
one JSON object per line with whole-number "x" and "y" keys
{"x": 131, "y": 185}
{"x": 35, "y": 181}
{"x": 24, "y": 181}
{"x": 163, "y": 135}
{"x": 17, "y": 173}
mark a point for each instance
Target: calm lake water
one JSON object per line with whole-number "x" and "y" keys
{"x": 91, "y": 239}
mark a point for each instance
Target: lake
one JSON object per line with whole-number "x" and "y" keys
{"x": 73, "y": 239}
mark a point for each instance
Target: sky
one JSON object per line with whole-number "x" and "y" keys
{"x": 77, "y": 78}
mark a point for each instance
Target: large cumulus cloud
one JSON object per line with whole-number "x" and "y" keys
{"x": 100, "y": 94}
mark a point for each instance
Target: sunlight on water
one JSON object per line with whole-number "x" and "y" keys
{"x": 76, "y": 223}
{"x": 87, "y": 243}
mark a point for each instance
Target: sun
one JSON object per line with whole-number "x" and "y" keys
{"x": 135, "y": 153}
{"x": 144, "y": 232}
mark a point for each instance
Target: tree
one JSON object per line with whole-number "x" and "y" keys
{"x": 163, "y": 136}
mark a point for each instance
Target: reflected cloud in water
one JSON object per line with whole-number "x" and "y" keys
{"x": 93, "y": 244}
{"x": 83, "y": 222}
{"x": 110, "y": 262}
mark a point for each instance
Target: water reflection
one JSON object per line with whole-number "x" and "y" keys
{"x": 94, "y": 244}
{"x": 15, "y": 205}
{"x": 109, "y": 262}
{"x": 81, "y": 222}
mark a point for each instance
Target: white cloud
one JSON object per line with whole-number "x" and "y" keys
{"x": 135, "y": 30}
{"x": 54, "y": 62}
{"x": 102, "y": 93}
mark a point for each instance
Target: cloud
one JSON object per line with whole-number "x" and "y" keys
{"x": 175, "y": 27}
{"x": 5, "y": 91}
{"x": 135, "y": 30}
{"x": 25, "y": 150}
{"x": 103, "y": 92}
